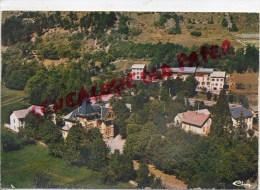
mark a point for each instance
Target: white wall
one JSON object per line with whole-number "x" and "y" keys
{"x": 15, "y": 123}
{"x": 249, "y": 122}
{"x": 204, "y": 130}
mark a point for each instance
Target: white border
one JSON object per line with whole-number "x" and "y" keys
{"x": 134, "y": 5}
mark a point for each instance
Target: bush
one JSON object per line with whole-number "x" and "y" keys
{"x": 240, "y": 86}
{"x": 42, "y": 180}
{"x": 224, "y": 22}
{"x": 10, "y": 141}
{"x": 195, "y": 33}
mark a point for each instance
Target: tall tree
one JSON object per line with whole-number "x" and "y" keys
{"x": 98, "y": 155}
{"x": 74, "y": 143}
{"x": 222, "y": 124}
{"x": 143, "y": 180}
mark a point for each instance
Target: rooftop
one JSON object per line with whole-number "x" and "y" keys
{"x": 254, "y": 108}
{"x": 236, "y": 111}
{"x": 20, "y": 114}
{"x": 204, "y": 70}
{"x": 195, "y": 118}
{"x": 218, "y": 74}
{"x": 184, "y": 70}
{"x": 138, "y": 66}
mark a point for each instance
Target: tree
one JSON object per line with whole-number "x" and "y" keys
{"x": 98, "y": 155}
{"x": 224, "y": 22}
{"x": 241, "y": 128}
{"x": 190, "y": 85}
{"x": 222, "y": 124}
{"x": 32, "y": 121}
{"x": 251, "y": 133}
{"x": 93, "y": 134}
{"x": 120, "y": 168}
{"x": 75, "y": 141}
{"x": 50, "y": 133}
{"x": 42, "y": 180}
{"x": 122, "y": 113}
{"x": 209, "y": 95}
{"x": 143, "y": 180}
{"x": 9, "y": 141}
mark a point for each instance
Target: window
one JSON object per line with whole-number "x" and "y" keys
{"x": 138, "y": 77}
{"x": 214, "y": 88}
{"x": 213, "y": 79}
{"x": 221, "y": 79}
{"x": 217, "y": 79}
{"x": 203, "y": 83}
{"x": 208, "y": 78}
{"x": 216, "y": 84}
{"x": 208, "y": 83}
{"x": 14, "y": 120}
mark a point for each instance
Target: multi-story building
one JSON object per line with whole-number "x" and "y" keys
{"x": 91, "y": 116}
{"x": 217, "y": 81}
{"x": 202, "y": 75}
{"x": 239, "y": 111}
{"x": 183, "y": 72}
{"x": 137, "y": 70}
{"x": 18, "y": 116}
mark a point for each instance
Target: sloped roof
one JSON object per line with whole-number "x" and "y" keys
{"x": 236, "y": 111}
{"x": 205, "y": 111}
{"x": 86, "y": 111}
{"x": 20, "y": 114}
{"x": 195, "y": 118}
{"x": 65, "y": 128}
{"x": 254, "y": 108}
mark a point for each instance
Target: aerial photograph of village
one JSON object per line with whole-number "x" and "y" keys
{"x": 129, "y": 100}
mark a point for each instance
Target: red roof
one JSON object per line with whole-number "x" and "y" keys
{"x": 195, "y": 118}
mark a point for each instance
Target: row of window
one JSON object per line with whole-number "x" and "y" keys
{"x": 217, "y": 79}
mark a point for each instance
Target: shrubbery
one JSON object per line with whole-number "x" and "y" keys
{"x": 195, "y": 33}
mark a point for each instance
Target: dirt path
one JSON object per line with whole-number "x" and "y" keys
{"x": 169, "y": 181}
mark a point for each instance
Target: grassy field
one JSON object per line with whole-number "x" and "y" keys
{"x": 250, "y": 81}
{"x": 19, "y": 169}
{"x": 11, "y": 100}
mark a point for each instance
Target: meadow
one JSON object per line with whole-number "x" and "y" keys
{"x": 20, "y": 167}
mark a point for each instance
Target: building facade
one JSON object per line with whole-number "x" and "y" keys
{"x": 239, "y": 111}
{"x": 137, "y": 70}
{"x": 198, "y": 122}
{"x": 91, "y": 116}
{"x": 17, "y": 117}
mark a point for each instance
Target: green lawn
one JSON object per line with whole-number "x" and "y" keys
{"x": 11, "y": 100}
{"x": 19, "y": 168}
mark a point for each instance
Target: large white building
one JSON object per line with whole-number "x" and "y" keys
{"x": 208, "y": 79}
{"x": 137, "y": 70}
{"x": 18, "y": 116}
